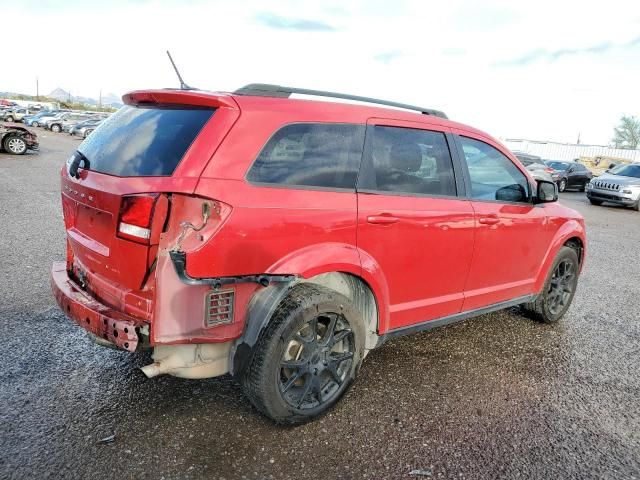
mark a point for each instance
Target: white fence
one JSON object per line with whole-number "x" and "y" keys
{"x": 567, "y": 151}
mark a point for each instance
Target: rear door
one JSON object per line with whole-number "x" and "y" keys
{"x": 115, "y": 207}
{"x": 412, "y": 221}
{"x": 512, "y": 234}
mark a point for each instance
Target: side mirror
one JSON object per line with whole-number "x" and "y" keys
{"x": 547, "y": 192}
{"x": 571, "y": 169}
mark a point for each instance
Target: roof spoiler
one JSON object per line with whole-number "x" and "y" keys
{"x": 179, "y": 97}
{"x": 277, "y": 91}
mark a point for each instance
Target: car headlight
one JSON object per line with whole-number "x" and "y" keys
{"x": 630, "y": 190}
{"x": 589, "y": 186}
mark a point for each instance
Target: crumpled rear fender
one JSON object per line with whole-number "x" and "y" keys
{"x": 305, "y": 264}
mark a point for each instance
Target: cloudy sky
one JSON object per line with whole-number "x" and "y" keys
{"x": 538, "y": 70}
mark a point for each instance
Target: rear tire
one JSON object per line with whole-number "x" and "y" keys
{"x": 636, "y": 207}
{"x": 9, "y": 119}
{"x": 35, "y": 124}
{"x": 307, "y": 357}
{"x": 558, "y": 291}
{"x": 595, "y": 202}
{"x": 14, "y": 145}
{"x": 55, "y": 128}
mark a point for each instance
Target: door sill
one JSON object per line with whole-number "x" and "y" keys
{"x": 458, "y": 317}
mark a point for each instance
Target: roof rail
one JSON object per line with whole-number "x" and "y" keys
{"x": 267, "y": 90}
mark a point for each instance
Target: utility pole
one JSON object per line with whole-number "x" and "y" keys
{"x": 37, "y": 90}
{"x": 100, "y": 99}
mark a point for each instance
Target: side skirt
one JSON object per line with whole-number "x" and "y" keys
{"x": 458, "y": 317}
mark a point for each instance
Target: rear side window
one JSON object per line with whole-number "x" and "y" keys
{"x": 407, "y": 160}
{"x": 311, "y": 155}
{"x": 141, "y": 141}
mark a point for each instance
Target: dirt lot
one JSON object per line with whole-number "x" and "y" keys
{"x": 499, "y": 396}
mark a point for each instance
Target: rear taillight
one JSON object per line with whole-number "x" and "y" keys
{"x": 549, "y": 170}
{"x": 136, "y": 212}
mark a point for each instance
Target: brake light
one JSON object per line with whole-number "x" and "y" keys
{"x": 549, "y": 170}
{"x": 136, "y": 212}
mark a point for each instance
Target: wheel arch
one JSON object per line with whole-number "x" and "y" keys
{"x": 570, "y": 234}
{"x": 335, "y": 266}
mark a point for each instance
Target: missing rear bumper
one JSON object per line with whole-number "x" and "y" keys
{"x": 179, "y": 260}
{"x": 103, "y": 322}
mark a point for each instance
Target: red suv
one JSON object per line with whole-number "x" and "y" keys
{"x": 282, "y": 239}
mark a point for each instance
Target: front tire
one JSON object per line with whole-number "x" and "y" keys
{"x": 55, "y": 128}
{"x": 559, "y": 289}
{"x": 593, "y": 201}
{"x": 307, "y": 357}
{"x": 14, "y": 144}
{"x": 562, "y": 186}
{"x": 9, "y": 119}
{"x": 35, "y": 124}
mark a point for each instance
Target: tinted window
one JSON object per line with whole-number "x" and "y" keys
{"x": 311, "y": 154}
{"x": 493, "y": 175}
{"x": 407, "y": 160}
{"x": 558, "y": 165}
{"x": 138, "y": 142}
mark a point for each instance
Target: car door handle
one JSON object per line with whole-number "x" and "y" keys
{"x": 382, "y": 219}
{"x": 489, "y": 220}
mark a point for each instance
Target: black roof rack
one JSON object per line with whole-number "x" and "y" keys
{"x": 267, "y": 90}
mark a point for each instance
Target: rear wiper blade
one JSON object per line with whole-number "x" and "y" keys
{"x": 78, "y": 158}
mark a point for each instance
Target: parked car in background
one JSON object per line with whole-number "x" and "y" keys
{"x": 619, "y": 185}
{"x": 17, "y": 114}
{"x": 39, "y": 118}
{"x": 69, "y": 123}
{"x": 84, "y": 129}
{"x": 281, "y": 240}
{"x": 17, "y": 139}
{"x": 536, "y": 166}
{"x": 571, "y": 175}
{"x": 55, "y": 124}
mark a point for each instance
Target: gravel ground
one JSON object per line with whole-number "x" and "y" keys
{"x": 496, "y": 397}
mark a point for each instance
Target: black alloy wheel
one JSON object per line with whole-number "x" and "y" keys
{"x": 316, "y": 361}
{"x": 561, "y": 287}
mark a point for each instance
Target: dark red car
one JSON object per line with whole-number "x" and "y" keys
{"x": 16, "y": 139}
{"x": 281, "y": 239}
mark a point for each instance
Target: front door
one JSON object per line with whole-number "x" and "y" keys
{"x": 512, "y": 234}
{"x": 412, "y": 221}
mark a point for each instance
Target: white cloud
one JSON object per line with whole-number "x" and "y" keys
{"x": 462, "y": 57}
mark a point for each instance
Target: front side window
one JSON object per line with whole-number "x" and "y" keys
{"x": 493, "y": 175}
{"x": 311, "y": 155}
{"x": 407, "y": 160}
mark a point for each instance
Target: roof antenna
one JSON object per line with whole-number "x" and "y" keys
{"x": 183, "y": 86}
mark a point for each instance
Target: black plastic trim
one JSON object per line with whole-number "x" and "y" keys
{"x": 179, "y": 260}
{"x": 458, "y": 317}
{"x": 277, "y": 91}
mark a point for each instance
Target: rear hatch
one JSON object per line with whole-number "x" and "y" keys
{"x": 116, "y": 187}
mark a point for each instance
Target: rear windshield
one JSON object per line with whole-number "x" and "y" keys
{"x": 142, "y": 141}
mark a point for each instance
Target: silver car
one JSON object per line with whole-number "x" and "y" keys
{"x": 619, "y": 185}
